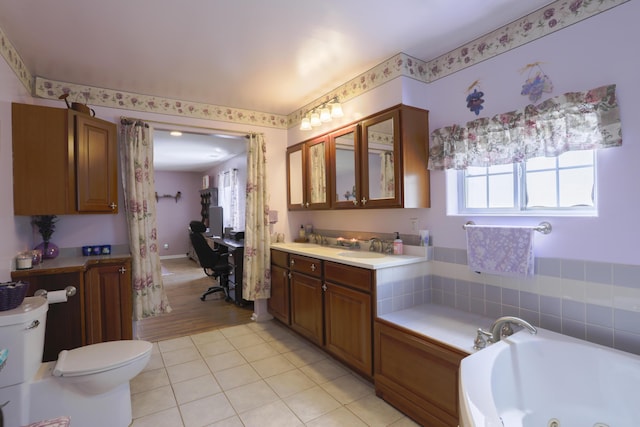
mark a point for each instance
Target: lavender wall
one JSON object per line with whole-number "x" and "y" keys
{"x": 591, "y": 53}
{"x": 174, "y": 217}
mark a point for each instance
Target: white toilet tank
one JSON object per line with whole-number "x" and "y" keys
{"x": 22, "y": 333}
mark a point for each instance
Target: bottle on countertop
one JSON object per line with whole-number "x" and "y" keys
{"x": 397, "y": 245}
{"x": 301, "y": 232}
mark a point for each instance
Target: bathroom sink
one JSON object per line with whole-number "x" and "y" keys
{"x": 361, "y": 254}
{"x": 549, "y": 379}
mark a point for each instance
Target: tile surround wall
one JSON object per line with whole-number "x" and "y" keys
{"x": 595, "y": 301}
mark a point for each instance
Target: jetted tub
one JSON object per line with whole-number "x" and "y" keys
{"x": 549, "y": 380}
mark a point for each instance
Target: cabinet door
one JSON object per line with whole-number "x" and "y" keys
{"x": 417, "y": 375}
{"x": 295, "y": 177}
{"x": 65, "y": 327}
{"x": 43, "y": 169}
{"x": 96, "y": 164}
{"x": 317, "y": 173}
{"x": 381, "y": 161}
{"x": 306, "y": 306}
{"x": 348, "y": 326}
{"x": 278, "y": 303}
{"x": 345, "y": 168}
{"x": 108, "y": 312}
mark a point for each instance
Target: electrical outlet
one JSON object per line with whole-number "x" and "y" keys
{"x": 414, "y": 224}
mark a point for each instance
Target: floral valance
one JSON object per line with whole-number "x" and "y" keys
{"x": 573, "y": 121}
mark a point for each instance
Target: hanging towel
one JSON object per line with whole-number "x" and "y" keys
{"x": 500, "y": 249}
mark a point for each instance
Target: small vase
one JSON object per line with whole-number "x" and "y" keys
{"x": 49, "y": 250}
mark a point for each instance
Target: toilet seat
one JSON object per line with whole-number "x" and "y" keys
{"x": 100, "y": 357}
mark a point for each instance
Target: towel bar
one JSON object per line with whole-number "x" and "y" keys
{"x": 544, "y": 227}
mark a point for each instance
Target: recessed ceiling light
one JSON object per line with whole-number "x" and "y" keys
{"x": 175, "y": 133}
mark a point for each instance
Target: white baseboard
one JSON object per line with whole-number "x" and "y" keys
{"x": 172, "y": 256}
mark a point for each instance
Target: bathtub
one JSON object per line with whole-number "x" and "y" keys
{"x": 552, "y": 380}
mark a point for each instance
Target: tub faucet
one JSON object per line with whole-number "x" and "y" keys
{"x": 502, "y": 327}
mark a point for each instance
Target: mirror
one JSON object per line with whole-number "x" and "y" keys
{"x": 295, "y": 178}
{"x": 380, "y": 152}
{"x": 345, "y": 178}
{"x": 317, "y": 173}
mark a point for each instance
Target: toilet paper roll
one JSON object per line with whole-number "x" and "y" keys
{"x": 56, "y": 296}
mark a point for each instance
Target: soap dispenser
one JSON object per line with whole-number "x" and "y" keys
{"x": 397, "y": 245}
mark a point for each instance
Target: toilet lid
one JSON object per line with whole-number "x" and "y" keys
{"x": 99, "y": 357}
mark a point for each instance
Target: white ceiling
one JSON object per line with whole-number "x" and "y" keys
{"x": 270, "y": 56}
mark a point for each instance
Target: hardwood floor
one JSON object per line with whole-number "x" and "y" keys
{"x": 184, "y": 285}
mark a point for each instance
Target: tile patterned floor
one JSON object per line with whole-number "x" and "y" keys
{"x": 260, "y": 374}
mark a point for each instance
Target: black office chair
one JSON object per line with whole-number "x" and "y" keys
{"x": 214, "y": 263}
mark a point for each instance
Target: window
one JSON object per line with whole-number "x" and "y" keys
{"x": 563, "y": 184}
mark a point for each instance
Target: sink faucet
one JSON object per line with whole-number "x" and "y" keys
{"x": 372, "y": 246}
{"x": 501, "y": 328}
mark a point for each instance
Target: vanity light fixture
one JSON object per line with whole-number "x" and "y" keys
{"x": 323, "y": 114}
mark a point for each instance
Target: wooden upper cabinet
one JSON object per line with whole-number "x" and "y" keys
{"x": 345, "y": 167}
{"x": 379, "y": 162}
{"x": 96, "y": 165}
{"x": 308, "y": 175}
{"x": 394, "y": 158}
{"x": 64, "y": 162}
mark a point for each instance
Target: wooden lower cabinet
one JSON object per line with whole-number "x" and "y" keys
{"x": 278, "y": 303}
{"x": 306, "y": 307}
{"x": 65, "y": 328}
{"x": 101, "y": 309}
{"x": 108, "y": 305}
{"x": 417, "y": 375}
{"x": 348, "y": 315}
{"x": 328, "y": 303}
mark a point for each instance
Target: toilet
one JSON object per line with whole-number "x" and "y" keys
{"x": 89, "y": 384}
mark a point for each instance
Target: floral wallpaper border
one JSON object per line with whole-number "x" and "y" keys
{"x": 52, "y": 89}
{"x": 544, "y": 21}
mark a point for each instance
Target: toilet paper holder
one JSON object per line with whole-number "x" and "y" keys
{"x": 70, "y": 290}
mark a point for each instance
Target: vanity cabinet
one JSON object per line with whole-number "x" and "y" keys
{"x": 278, "y": 303}
{"x": 348, "y": 315}
{"x": 306, "y": 297}
{"x": 101, "y": 309}
{"x": 108, "y": 302}
{"x": 64, "y": 162}
{"x": 65, "y": 328}
{"x": 308, "y": 175}
{"x": 417, "y": 375}
{"x": 328, "y": 303}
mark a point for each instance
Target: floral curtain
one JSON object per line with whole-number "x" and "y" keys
{"x": 136, "y": 156}
{"x": 573, "y": 121}
{"x": 317, "y": 174}
{"x": 256, "y": 277}
{"x": 387, "y": 185}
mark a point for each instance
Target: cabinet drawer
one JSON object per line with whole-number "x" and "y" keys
{"x": 354, "y": 277}
{"x": 306, "y": 265}
{"x": 280, "y": 258}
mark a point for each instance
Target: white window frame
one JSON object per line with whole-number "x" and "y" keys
{"x": 456, "y": 181}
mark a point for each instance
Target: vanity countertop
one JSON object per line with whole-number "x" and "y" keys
{"x": 452, "y": 327}
{"x": 68, "y": 264}
{"x": 354, "y": 257}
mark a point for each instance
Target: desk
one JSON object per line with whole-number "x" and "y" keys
{"x": 236, "y": 258}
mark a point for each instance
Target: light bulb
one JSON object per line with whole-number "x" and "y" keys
{"x": 325, "y": 115}
{"x": 305, "y": 124}
{"x": 336, "y": 110}
{"x": 315, "y": 120}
